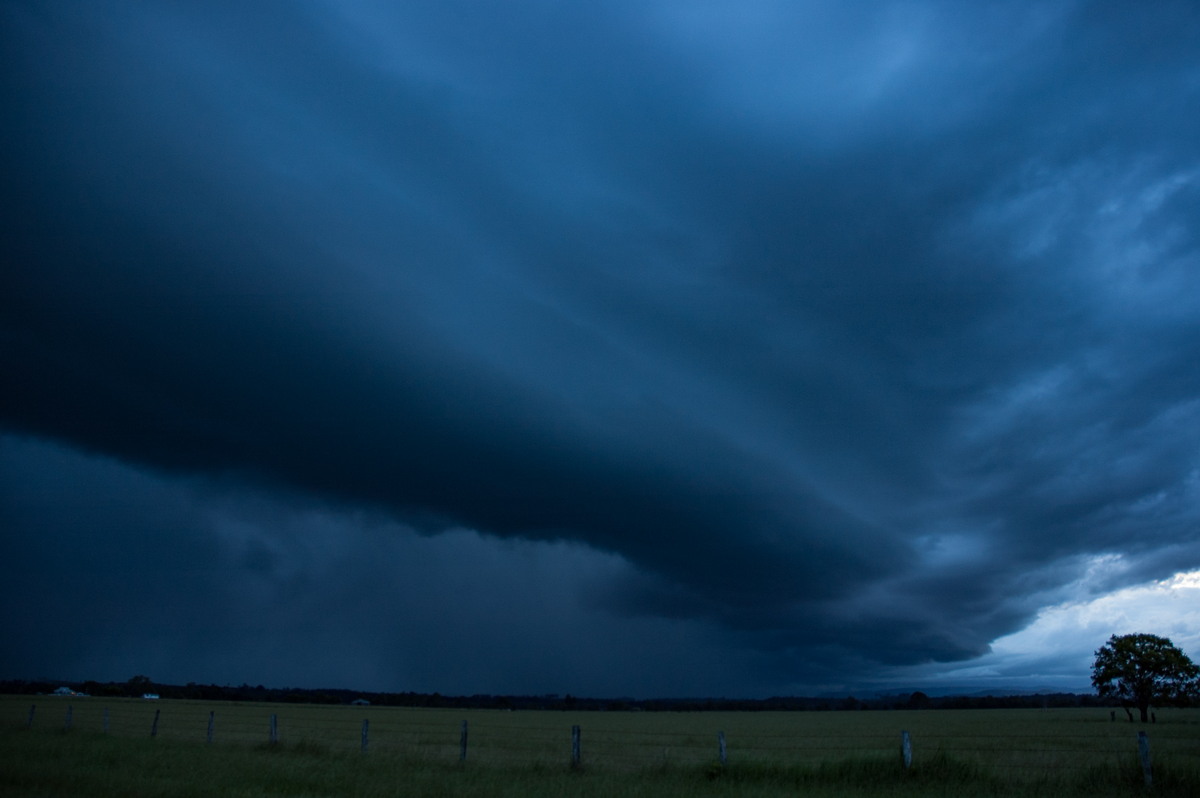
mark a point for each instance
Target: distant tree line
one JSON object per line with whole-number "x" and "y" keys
{"x": 1132, "y": 670}
{"x": 140, "y": 685}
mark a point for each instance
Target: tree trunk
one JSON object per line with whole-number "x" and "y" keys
{"x": 1144, "y": 709}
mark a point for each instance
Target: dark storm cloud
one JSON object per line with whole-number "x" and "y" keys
{"x": 196, "y": 580}
{"x": 850, "y": 329}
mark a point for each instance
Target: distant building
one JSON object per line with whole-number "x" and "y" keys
{"x": 360, "y": 702}
{"x": 150, "y": 696}
{"x": 67, "y": 691}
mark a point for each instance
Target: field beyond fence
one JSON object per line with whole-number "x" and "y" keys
{"x": 964, "y": 752}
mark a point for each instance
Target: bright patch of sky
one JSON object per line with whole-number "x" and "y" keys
{"x": 1055, "y": 652}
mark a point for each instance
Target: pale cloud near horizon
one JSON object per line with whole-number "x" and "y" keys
{"x": 1168, "y": 607}
{"x": 1056, "y": 650}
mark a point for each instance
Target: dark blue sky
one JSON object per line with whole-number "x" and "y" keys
{"x": 632, "y": 348}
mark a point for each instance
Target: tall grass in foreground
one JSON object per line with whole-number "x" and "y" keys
{"x": 59, "y": 763}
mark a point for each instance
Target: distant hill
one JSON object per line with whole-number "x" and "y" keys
{"x": 916, "y": 699}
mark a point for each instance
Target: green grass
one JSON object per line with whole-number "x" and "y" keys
{"x": 416, "y": 752}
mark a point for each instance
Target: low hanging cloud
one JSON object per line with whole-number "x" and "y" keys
{"x": 841, "y": 337}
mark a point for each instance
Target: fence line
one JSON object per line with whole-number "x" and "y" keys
{"x": 413, "y": 734}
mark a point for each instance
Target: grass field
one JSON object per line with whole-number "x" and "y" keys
{"x": 319, "y": 751}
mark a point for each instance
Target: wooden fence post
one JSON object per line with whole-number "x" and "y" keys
{"x": 154, "y": 725}
{"x": 576, "y": 756}
{"x": 29, "y": 723}
{"x": 462, "y": 743}
{"x": 366, "y": 725}
{"x": 721, "y": 747}
{"x": 1144, "y": 754}
{"x": 106, "y": 720}
{"x": 67, "y": 722}
{"x": 274, "y": 729}
{"x": 212, "y": 722}
{"x": 906, "y": 749}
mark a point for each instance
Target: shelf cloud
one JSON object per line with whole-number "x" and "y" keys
{"x": 583, "y": 347}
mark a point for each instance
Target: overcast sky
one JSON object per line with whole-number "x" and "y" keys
{"x": 632, "y": 348}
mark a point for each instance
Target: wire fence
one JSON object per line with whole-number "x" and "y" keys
{"x": 1015, "y": 746}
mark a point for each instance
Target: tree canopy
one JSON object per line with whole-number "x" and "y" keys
{"x": 1142, "y": 669}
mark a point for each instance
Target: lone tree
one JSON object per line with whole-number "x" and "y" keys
{"x": 1140, "y": 670}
